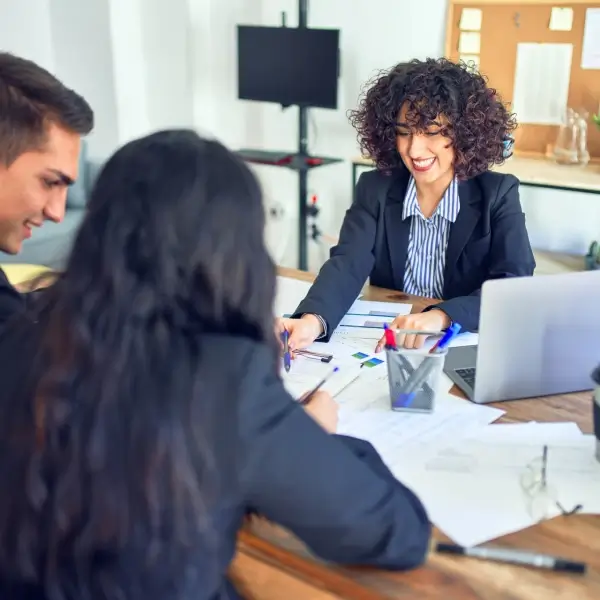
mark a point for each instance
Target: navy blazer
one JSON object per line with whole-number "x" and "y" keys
{"x": 488, "y": 240}
{"x": 334, "y": 492}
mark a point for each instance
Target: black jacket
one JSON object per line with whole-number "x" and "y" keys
{"x": 488, "y": 240}
{"x": 333, "y": 492}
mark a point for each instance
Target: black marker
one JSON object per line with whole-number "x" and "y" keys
{"x": 516, "y": 557}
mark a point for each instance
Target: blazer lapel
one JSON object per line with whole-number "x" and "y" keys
{"x": 462, "y": 228}
{"x": 397, "y": 230}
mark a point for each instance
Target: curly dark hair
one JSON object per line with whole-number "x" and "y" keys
{"x": 479, "y": 124}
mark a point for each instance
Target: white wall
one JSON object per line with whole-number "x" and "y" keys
{"x": 149, "y": 64}
{"x": 82, "y": 49}
{"x": 25, "y": 30}
{"x": 373, "y": 36}
{"x": 129, "y": 58}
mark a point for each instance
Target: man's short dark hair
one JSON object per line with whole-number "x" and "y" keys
{"x": 30, "y": 99}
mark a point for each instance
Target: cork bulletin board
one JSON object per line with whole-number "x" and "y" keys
{"x": 505, "y": 24}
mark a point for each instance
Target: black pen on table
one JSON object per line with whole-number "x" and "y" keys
{"x": 516, "y": 557}
{"x": 305, "y": 398}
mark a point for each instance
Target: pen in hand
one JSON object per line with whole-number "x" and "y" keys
{"x": 287, "y": 356}
{"x": 305, "y": 398}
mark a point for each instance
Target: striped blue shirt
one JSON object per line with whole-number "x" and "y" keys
{"x": 427, "y": 242}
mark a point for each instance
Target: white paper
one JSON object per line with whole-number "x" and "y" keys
{"x": 382, "y": 309}
{"x": 366, "y": 321}
{"x": 590, "y": 54}
{"x": 472, "y": 488}
{"x": 289, "y": 293}
{"x": 541, "y": 87}
{"x": 305, "y": 374}
{"x": 365, "y": 413}
{"x": 561, "y": 19}
{"x": 470, "y": 19}
{"x": 469, "y": 42}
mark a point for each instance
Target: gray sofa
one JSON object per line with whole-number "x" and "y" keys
{"x": 49, "y": 245}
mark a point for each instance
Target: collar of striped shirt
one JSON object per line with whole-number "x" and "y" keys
{"x": 447, "y": 208}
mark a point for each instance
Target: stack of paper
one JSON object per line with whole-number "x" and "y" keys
{"x": 365, "y": 413}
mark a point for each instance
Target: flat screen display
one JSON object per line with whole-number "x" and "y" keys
{"x": 288, "y": 66}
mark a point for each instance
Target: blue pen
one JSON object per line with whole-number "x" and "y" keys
{"x": 287, "y": 356}
{"x": 420, "y": 375}
{"x": 450, "y": 334}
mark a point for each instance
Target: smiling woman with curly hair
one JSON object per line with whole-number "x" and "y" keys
{"x": 431, "y": 219}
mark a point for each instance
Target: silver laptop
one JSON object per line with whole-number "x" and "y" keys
{"x": 537, "y": 336}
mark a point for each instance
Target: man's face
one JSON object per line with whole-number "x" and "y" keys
{"x": 33, "y": 189}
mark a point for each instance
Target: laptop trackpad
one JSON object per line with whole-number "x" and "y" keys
{"x": 462, "y": 357}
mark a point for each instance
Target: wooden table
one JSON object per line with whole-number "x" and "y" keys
{"x": 271, "y": 564}
{"x": 531, "y": 172}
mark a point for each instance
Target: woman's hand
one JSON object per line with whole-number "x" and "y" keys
{"x": 432, "y": 320}
{"x": 303, "y": 331}
{"x": 324, "y": 410}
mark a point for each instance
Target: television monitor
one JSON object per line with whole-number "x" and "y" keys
{"x": 288, "y": 66}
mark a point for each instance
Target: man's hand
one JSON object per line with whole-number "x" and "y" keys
{"x": 432, "y": 320}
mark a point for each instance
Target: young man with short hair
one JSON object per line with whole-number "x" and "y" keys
{"x": 41, "y": 125}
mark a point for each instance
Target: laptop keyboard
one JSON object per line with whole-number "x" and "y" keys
{"x": 467, "y": 375}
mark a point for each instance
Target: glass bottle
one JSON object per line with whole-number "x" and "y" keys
{"x": 566, "y": 149}
{"x": 583, "y": 156}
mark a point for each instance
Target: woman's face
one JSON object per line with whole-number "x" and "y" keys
{"x": 428, "y": 155}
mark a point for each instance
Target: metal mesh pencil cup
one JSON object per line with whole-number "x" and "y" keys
{"x": 414, "y": 377}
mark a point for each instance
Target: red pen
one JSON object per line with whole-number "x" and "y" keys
{"x": 390, "y": 338}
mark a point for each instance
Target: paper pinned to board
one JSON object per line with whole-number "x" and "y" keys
{"x": 469, "y": 42}
{"x": 470, "y": 19}
{"x": 590, "y": 53}
{"x": 561, "y": 19}
{"x": 541, "y": 88}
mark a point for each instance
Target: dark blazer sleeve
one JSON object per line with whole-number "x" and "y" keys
{"x": 510, "y": 253}
{"x": 342, "y": 277}
{"x": 333, "y": 492}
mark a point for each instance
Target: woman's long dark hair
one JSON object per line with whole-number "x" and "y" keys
{"x": 171, "y": 248}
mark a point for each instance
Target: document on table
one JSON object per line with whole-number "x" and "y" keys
{"x": 379, "y": 309}
{"x": 289, "y": 293}
{"x": 365, "y": 413}
{"x": 365, "y": 321}
{"x": 366, "y": 335}
{"x": 472, "y": 488}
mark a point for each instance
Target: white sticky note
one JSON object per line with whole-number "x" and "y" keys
{"x": 561, "y": 19}
{"x": 469, "y": 42}
{"x": 472, "y": 60}
{"x": 470, "y": 19}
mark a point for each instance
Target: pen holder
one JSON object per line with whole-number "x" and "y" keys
{"x": 414, "y": 377}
